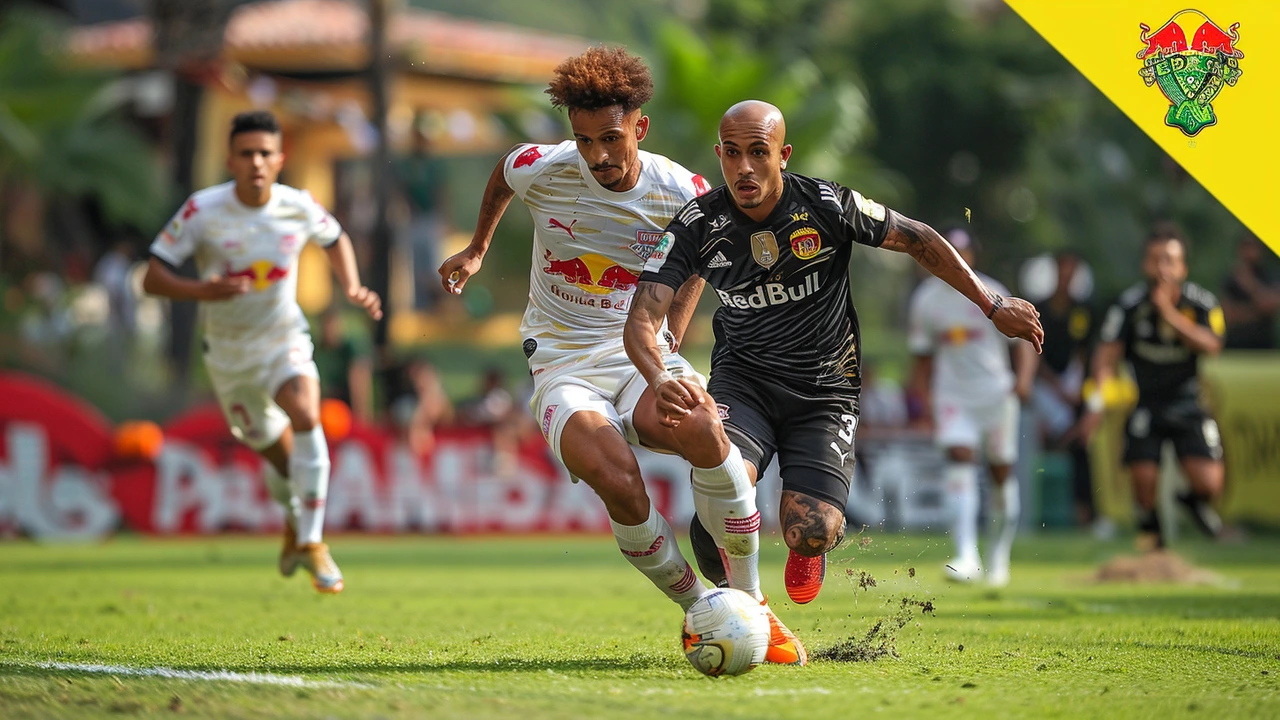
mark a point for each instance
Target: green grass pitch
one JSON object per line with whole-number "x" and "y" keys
{"x": 562, "y": 627}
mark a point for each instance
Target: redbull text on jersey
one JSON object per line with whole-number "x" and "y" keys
{"x": 771, "y": 294}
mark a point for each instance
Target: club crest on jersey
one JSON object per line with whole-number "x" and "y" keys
{"x": 646, "y": 241}
{"x": 720, "y": 223}
{"x": 805, "y": 243}
{"x": 764, "y": 248}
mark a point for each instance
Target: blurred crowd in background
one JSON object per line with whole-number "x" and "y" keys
{"x": 951, "y": 110}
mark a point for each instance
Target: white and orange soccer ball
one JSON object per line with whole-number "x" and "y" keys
{"x": 726, "y": 632}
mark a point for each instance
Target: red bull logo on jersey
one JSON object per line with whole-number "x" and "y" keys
{"x": 768, "y": 294}
{"x": 1192, "y": 72}
{"x": 262, "y": 273}
{"x": 592, "y": 274}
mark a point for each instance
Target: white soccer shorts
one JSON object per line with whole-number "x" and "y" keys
{"x": 246, "y": 386}
{"x": 611, "y": 388}
{"x": 993, "y": 427}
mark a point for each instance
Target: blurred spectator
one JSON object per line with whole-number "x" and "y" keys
{"x": 1250, "y": 298}
{"x": 1068, "y": 329}
{"x": 112, "y": 273}
{"x": 422, "y": 179}
{"x": 492, "y": 406}
{"x": 345, "y": 365}
{"x": 420, "y": 407}
{"x": 883, "y": 403}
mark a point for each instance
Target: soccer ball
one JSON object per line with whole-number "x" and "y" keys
{"x": 726, "y": 632}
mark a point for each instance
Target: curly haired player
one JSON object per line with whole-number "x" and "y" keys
{"x": 599, "y": 205}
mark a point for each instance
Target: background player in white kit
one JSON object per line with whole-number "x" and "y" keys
{"x": 246, "y": 236}
{"x": 975, "y": 400}
{"x": 599, "y": 205}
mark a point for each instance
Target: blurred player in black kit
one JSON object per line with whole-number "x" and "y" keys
{"x": 1161, "y": 327}
{"x": 785, "y": 370}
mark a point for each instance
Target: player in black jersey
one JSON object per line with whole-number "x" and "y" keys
{"x": 785, "y": 374}
{"x": 1162, "y": 327}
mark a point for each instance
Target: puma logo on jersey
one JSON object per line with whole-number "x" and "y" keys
{"x": 555, "y": 224}
{"x": 720, "y": 261}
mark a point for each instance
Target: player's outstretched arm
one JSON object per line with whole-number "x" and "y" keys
{"x": 649, "y": 306}
{"x": 682, "y": 308}
{"x": 162, "y": 281}
{"x": 1012, "y": 316}
{"x": 497, "y": 195}
{"x": 342, "y": 258}
{"x": 1105, "y": 359}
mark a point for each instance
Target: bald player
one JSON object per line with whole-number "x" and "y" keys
{"x": 785, "y": 375}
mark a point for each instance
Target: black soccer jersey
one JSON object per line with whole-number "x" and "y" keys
{"x": 1166, "y": 369}
{"x": 783, "y": 283}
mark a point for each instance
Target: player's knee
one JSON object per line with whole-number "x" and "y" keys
{"x": 702, "y": 438}
{"x": 960, "y": 454}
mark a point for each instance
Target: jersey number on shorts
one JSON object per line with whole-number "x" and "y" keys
{"x": 850, "y": 424}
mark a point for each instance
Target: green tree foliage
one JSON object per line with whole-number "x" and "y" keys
{"x": 60, "y": 132}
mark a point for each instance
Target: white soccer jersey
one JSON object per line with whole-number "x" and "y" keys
{"x": 231, "y": 239}
{"x": 971, "y": 363}
{"x": 589, "y": 246}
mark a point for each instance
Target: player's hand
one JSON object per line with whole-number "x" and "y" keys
{"x": 1019, "y": 319}
{"x": 456, "y": 270}
{"x": 367, "y": 299}
{"x": 676, "y": 399}
{"x": 1164, "y": 294}
{"x": 218, "y": 288}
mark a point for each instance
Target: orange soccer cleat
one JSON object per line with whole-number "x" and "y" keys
{"x": 325, "y": 575}
{"x": 803, "y": 577}
{"x": 289, "y": 551}
{"x": 784, "y": 647}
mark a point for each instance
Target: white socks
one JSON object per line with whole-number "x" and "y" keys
{"x": 962, "y": 486}
{"x": 309, "y": 478}
{"x": 651, "y": 547}
{"x": 281, "y": 492}
{"x": 726, "y": 505}
{"x": 1007, "y": 506}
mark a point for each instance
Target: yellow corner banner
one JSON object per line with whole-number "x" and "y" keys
{"x": 1201, "y": 77}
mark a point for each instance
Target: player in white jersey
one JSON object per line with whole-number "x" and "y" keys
{"x": 599, "y": 206}
{"x": 246, "y": 236}
{"x": 975, "y": 398}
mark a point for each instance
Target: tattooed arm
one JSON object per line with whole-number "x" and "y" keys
{"x": 682, "y": 307}
{"x": 497, "y": 195}
{"x": 1012, "y": 316}
{"x": 650, "y": 304}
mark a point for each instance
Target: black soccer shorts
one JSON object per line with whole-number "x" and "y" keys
{"x": 811, "y": 432}
{"x": 1191, "y": 428}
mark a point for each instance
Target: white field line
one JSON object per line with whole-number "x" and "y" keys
{"x": 252, "y": 678}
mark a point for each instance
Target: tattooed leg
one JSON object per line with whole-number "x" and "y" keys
{"x": 811, "y": 527}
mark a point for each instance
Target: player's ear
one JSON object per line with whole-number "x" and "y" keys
{"x": 786, "y": 154}
{"x": 642, "y": 127}
{"x": 717, "y": 149}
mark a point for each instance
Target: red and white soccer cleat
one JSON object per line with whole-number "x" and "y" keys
{"x": 784, "y": 647}
{"x": 803, "y": 577}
